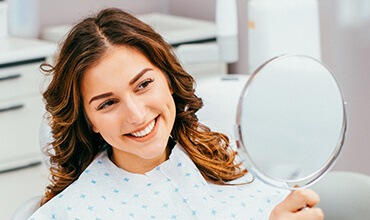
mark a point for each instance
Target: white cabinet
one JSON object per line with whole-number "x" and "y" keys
{"x": 21, "y": 106}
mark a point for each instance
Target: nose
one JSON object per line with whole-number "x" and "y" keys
{"x": 134, "y": 111}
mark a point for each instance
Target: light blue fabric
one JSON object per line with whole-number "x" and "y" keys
{"x": 173, "y": 190}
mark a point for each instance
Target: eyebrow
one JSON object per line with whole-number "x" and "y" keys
{"x": 132, "y": 81}
{"x": 102, "y": 96}
{"x": 139, "y": 75}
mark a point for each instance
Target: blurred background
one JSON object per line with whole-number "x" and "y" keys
{"x": 345, "y": 48}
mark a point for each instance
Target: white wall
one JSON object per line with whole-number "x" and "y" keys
{"x": 346, "y": 49}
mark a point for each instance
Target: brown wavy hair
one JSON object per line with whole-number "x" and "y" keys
{"x": 75, "y": 145}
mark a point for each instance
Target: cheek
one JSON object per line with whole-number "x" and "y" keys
{"x": 167, "y": 102}
{"x": 89, "y": 120}
{"x": 92, "y": 124}
{"x": 172, "y": 109}
{"x": 96, "y": 123}
{"x": 104, "y": 125}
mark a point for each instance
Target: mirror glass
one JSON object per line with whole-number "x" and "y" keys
{"x": 291, "y": 121}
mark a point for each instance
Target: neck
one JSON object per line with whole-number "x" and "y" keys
{"x": 135, "y": 164}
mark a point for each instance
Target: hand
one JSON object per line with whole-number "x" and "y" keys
{"x": 294, "y": 206}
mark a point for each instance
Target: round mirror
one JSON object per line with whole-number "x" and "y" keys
{"x": 291, "y": 121}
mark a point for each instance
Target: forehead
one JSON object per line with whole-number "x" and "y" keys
{"x": 116, "y": 68}
{"x": 117, "y": 61}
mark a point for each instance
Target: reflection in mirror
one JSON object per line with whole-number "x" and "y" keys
{"x": 291, "y": 121}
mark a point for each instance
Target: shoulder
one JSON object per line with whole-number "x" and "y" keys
{"x": 79, "y": 199}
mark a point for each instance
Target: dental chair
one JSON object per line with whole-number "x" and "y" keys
{"x": 344, "y": 195}
{"x": 25, "y": 210}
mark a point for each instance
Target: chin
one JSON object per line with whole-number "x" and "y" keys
{"x": 155, "y": 153}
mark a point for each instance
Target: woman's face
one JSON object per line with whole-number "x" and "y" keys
{"x": 128, "y": 101}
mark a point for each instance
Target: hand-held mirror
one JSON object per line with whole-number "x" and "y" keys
{"x": 291, "y": 121}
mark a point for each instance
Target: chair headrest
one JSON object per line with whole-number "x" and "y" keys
{"x": 220, "y": 95}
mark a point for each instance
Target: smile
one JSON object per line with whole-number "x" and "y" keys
{"x": 145, "y": 131}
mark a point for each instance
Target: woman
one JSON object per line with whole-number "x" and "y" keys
{"x": 127, "y": 142}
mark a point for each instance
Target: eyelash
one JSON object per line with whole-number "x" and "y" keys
{"x": 144, "y": 84}
{"x": 140, "y": 87}
{"x": 106, "y": 104}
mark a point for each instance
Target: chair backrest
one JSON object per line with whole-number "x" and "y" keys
{"x": 45, "y": 138}
{"x": 27, "y": 208}
{"x": 220, "y": 95}
{"x": 344, "y": 195}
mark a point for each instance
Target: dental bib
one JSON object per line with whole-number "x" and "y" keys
{"x": 173, "y": 190}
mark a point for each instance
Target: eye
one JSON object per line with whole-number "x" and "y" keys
{"x": 144, "y": 84}
{"x": 106, "y": 104}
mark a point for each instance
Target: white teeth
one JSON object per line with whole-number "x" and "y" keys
{"x": 145, "y": 131}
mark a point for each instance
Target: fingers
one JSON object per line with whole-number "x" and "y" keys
{"x": 298, "y": 205}
{"x": 309, "y": 213}
{"x": 299, "y": 199}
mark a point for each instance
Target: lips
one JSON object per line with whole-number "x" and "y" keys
{"x": 144, "y": 132}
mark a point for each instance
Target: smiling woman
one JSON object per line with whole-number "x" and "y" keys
{"x": 127, "y": 142}
{"x": 131, "y": 108}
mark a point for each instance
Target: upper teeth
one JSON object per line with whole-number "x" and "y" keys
{"x": 145, "y": 131}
